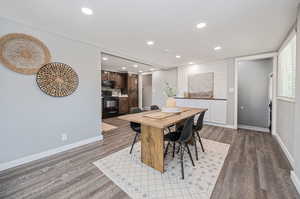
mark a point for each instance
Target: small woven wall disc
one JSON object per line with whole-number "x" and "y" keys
{"x": 57, "y": 79}
{"x": 23, "y": 53}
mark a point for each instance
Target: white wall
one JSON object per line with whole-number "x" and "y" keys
{"x": 296, "y": 138}
{"x": 285, "y": 124}
{"x": 285, "y": 127}
{"x": 31, "y": 121}
{"x": 159, "y": 78}
{"x": 230, "y": 91}
{"x": 223, "y": 81}
{"x": 147, "y": 90}
{"x": 220, "y": 77}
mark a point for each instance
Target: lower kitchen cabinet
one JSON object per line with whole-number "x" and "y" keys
{"x": 217, "y": 109}
{"x": 123, "y": 105}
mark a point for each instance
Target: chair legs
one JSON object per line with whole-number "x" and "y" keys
{"x": 181, "y": 160}
{"x": 167, "y": 148}
{"x": 134, "y": 140}
{"x": 173, "y": 149}
{"x": 189, "y": 152}
{"x": 196, "y": 150}
{"x": 166, "y": 151}
{"x": 181, "y": 150}
{"x": 200, "y": 141}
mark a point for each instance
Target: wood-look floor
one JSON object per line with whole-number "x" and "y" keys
{"x": 254, "y": 168}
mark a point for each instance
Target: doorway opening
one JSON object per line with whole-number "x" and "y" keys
{"x": 255, "y": 87}
{"x": 146, "y": 91}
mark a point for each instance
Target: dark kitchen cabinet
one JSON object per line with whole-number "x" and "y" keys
{"x": 104, "y": 75}
{"x": 132, "y": 83}
{"x": 121, "y": 80}
{"x": 112, "y": 76}
{"x": 128, "y": 83}
{"x": 123, "y": 105}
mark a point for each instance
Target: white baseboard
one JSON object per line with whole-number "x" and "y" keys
{"x": 295, "y": 180}
{"x": 293, "y": 175}
{"x": 285, "y": 150}
{"x": 30, "y": 158}
{"x": 219, "y": 125}
{"x": 253, "y": 128}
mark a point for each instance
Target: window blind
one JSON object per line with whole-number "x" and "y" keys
{"x": 287, "y": 70}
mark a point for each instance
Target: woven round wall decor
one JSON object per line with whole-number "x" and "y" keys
{"x": 23, "y": 53}
{"x": 57, "y": 79}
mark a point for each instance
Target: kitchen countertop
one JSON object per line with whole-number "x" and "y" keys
{"x": 120, "y": 96}
{"x": 201, "y": 98}
{"x": 115, "y": 96}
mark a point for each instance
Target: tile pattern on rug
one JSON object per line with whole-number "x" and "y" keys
{"x": 140, "y": 181}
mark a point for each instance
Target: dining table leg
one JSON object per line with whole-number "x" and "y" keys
{"x": 152, "y": 147}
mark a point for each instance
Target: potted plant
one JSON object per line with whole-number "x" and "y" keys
{"x": 170, "y": 92}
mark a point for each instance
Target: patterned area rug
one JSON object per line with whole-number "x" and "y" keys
{"x": 140, "y": 181}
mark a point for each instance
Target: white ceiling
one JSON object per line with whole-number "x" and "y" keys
{"x": 114, "y": 63}
{"x": 241, "y": 27}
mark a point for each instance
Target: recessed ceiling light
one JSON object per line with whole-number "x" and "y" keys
{"x": 178, "y": 56}
{"x": 87, "y": 11}
{"x": 152, "y": 69}
{"x": 150, "y": 43}
{"x": 191, "y": 63}
{"x": 123, "y": 68}
{"x": 201, "y": 25}
{"x": 140, "y": 71}
{"x": 135, "y": 65}
{"x": 218, "y": 48}
{"x": 104, "y": 58}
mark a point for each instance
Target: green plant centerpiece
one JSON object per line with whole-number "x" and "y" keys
{"x": 170, "y": 92}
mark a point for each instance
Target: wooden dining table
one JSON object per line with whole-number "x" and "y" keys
{"x": 153, "y": 123}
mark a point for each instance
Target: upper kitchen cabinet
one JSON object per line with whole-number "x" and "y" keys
{"x": 112, "y": 76}
{"x": 132, "y": 91}
{"x": 121, "y": 80}
{"x": 132, "y": 81}
{"x": 104, "y": 75}
{"x": 107, "y": 75}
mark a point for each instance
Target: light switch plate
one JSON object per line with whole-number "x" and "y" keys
{"x": 64, "y": 137}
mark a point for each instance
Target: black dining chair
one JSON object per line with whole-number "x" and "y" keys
{"x": 182, "y": 137}
{"x": 154, "y": 107}
{"x": 136, "y": 127}
{"x": 196, "y": 129}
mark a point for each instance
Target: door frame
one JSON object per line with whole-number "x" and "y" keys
{"x": 272, "y": 55}
{"x": 141, "y": 88}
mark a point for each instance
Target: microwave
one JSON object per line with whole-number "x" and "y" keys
{"x": 108, "y": 83}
